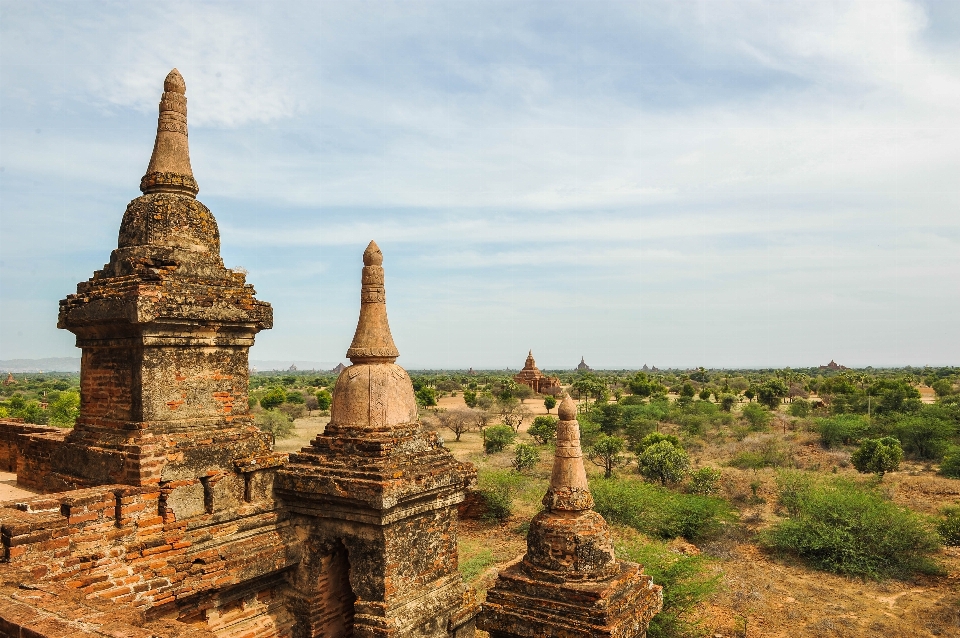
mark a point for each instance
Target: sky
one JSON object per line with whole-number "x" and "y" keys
{"x": 716, "y": 183}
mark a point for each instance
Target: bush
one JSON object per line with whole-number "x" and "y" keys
{"x": 470, "y": 398}
{"x": 705, "y": 481}
{"x": 657, "y": 511}
{"x": 949, "y": 526}
{"x": 295, "y": 396}
{"x": 950, "y": 465}
{"x": 841, "y": 527}
{"x": 496, "y": 488}
{"x": 64, "y": 410}
{"x": 757, "y": 416}
{"x": 324, "y": 399}
{"x": 549, "y": 402}
{"x": 924, "y": 436}
{"x": 684, "y": 580}
{"x": 273, "y": 398}
{"x": 525, "y": 457}
{"x": 799, "y": 408}
{"x": 727, "y": 401}
{"x": 426, "y": 397}
{"x": 276, "y": 423}
{"x": 842, "y": 429}
{"x": 543, "y": 429}
{"x": 497, "y": 437}
{"x": 664, "y": 462}
{"x": 766, "y": 452}
{"x": 878, "y": 456}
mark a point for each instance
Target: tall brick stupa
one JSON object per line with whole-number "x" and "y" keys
{"x": 569, "y": 584}
{"x": 375, "y": 497}
{"x": 165, "y": 331}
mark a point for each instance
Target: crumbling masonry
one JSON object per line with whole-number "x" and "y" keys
{"x": 166, "y": 513}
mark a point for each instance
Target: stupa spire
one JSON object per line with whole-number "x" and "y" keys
{"x": 372, "y": 342}
{"x": 569, "y": 490}
{"x": 169, "y": 170}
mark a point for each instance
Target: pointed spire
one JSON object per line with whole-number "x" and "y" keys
{"x": 169, "y": 170}
{"x": 569, "y": 489}
{"x": 372, "y": 342}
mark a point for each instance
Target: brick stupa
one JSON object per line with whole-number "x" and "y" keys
{"x": 569, "y": 584}
{"x": 165, "y": 331}
{"x": 377, "y": 497}
{"x": 536, "y": 380}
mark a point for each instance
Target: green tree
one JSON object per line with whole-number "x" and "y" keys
{"x": 705, "y": 481}
{"x": 525, "y": 457}
{"x": 799, "y": 407}
{"x": 64, "y": 410}
{"x": 687, "y": 390}
{"x": 878, "y": 456}
{"x": 426, "y": 397}
{"x": 543, "y": 429}
{"x": 324, "y": 399}
{"x": 942, "y": 387}
{"x": 273, "y": 398}
{"x": 924, "y": 436}
{"x": 31, "y": 412}
{"x": 295, "y": 396}
{"x": 771, "y": 393}
{"x": 842, "y": 429}
{"x": 757, "y": 416}
{"x": 549, "y": 402}
{"x": 704, "y": 394}
{"x": 664, "y": 462}
{"x": 470, "y": 398}
{"x": 950, "y": 465}
{"x": 276, "y": 423}
{"x": 609, "y": 416}
{"x": 497, "y": 437}
{"x": 643, "y": 386}
{"x": 606, "y": 452}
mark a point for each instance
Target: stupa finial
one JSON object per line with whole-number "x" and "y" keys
{"x": 169, "y": 170}
{"x": 372, "y": 342}
{"x": 568, "y": 489}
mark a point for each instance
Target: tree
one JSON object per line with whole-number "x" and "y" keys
{"x": 295, "y": 396}
{"x": 311, "y": 404}
{"x": 470, "y": 398}
{"x": 543, "y": 429}
{"x": 799, "y": 407}
{"x": 606, "y": 453}
{"x": 497, "y": 437}
{"x": 643, "y": 386}
{"x": 704, "y": 394}
{"x": 523, "y": 392}
{"x": 878, "y": 456}
{"x": 549, "y": 402}
{"x": 64, "y": 410}
{"x": 525, "y": 457}
{"x": 950, "y": 465}
{"x": 276, "y": 423}
{"x": 923, "y": 436}
{"x": 457, "y": 421}
{"x": 687, "y": 390}
{"x": 727, "y": 401}
{"x": 273, "y": 398}
{"x": 480, "y": 418}
{"x": 756, "y": 415}
{"x": 771, "y": 393}
{"x": 664, "y": 462}
{"x": 942, "y": 387}
{"x": 609, "y": 416}
{"x": 511, "y": 412}
{"x": 324, "y": 399}
{"x": 426, "y": 397}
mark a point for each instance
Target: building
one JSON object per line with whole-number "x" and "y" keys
{"x": 583, "y": 367}
{"x": 532, "y": 377}
{"x": 833, "y": 365}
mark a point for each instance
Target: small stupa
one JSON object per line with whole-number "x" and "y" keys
{"x": 570, "y": 584}
{"x": 376, "y": 495}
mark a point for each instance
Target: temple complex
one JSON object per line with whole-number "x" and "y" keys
{"x": 166, "y": 513}
{"x": 532, "y": 377}
{"x": 569, "y": 584}
{"x": 583, "y": 367}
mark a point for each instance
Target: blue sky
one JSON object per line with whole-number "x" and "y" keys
{"x": 671, "y": 183}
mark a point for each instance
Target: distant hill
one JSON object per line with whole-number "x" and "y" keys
{"x": 265, "y": 365}
{"x": 49, "y": 364}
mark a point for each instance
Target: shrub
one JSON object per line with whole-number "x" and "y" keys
{"x": 496, "y": 488}
{"x": 664, "y": 462}
{"x": 549, "y": 402}
{"x": 472, "y": 566}
{"x": 64, "y": 410}
{"x": 841, "y": 527}
{"x": 525, "y": 457}
{"x": 950, "y": 465}
{"x": 273, "y": 398}
{"x": 295, "y": 396}
{"x": 704, "y": 394}
{"x": 606, "y": 452}
{"x": 426, "y": 397}
{"x": 705, "y": 481}
{"x": 924, "y": 436}
{"x": 293, "y": 411}
{"x": 657, "y": 511}
{"x": 31, "y": 412}
{"x": 942, "y": 387}
{"x": 543, "y": 429}
{"x": 727, "y": 401}
{"x": 684, "y": 580}
{"x": 497, "y": 437}
{"x": 324, "y": 399}
{"x": 842, "y": 429}
{"x": 757, "y": 416}
{"x": 276, "y": 423}
{"x": 765, "y": 452}
{"x": 654, "y": 438}
{"x": 949, "y": 526}
{"x": 470, "y": 398}
{"x": 799, "y": 408}
{"x": 878, "y": 456}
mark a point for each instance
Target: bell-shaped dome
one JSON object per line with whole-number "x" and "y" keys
{"x": 376, "y": 396}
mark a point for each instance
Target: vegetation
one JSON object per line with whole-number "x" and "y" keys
{"x": 606, "y": 452}
{"x": 878, "y": 456}
{"x": 276, "y": 423}
{"x": 496, "y": 438}
{"x": 842, "y": 429}
{"x": 525, "y": 457}
{"x": 839, "y": 526}
{"x": 705, "y": 481}
{"x": 949, "y": 526}
{"x": 659, "y": 512}
{"x": 543, "y": 429}
{"x": 663, "y": 460}
{"x": 496, "y": 488}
